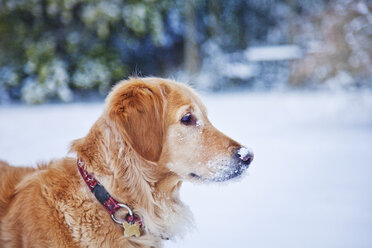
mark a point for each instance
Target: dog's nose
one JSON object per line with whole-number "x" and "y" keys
{"x": 245, "y": 155}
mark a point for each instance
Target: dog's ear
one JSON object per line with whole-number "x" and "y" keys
{"x": 137, "y": 110}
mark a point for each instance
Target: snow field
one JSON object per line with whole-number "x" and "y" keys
{"x": 308, "y": 186}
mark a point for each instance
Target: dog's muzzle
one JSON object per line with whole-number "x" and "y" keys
{"x": 242, "y": 158}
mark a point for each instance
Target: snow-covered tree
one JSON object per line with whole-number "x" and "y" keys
{"x": 338, "y": 41}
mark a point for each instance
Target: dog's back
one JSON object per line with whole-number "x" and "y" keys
{"x": 9, "y": 178}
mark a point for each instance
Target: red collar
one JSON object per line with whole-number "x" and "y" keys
{"x": 107, "y": 201}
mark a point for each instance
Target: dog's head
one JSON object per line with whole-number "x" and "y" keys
{"x": 166, "y": 123}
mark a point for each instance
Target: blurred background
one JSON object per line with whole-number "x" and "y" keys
{"x": 291, "y": 79}
{"x": 68, "y": 50}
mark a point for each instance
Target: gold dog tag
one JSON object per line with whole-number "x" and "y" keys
{"x": 131, "y": 229}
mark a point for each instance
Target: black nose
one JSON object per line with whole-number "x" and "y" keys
{"x": 244, "y": 155}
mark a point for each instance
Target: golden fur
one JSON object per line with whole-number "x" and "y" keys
{"x": 139, "y": 151}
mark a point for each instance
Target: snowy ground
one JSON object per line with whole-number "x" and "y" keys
{"x": 310, "y": 184}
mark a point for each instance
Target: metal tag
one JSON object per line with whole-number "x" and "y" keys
{"x": 131, "y": 229}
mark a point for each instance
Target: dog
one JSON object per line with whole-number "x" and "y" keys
{"x": 122, "y": 189}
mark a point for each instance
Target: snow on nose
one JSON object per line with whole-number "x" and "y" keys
{"x": 245, "y": 155}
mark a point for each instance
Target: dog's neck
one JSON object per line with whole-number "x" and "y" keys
{"x": 149, "y": 189}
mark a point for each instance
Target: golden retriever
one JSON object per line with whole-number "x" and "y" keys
{"x": 153, "y": 134}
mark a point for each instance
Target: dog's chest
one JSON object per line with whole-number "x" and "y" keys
{"x": 175, "y": 219}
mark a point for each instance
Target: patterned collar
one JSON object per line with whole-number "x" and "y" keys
{"x": 132, "y": 223}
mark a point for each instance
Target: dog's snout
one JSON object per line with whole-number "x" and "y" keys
{"x": 245, "y": 155}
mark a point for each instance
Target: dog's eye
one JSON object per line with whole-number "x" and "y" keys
{"x": 187, "y": 119}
